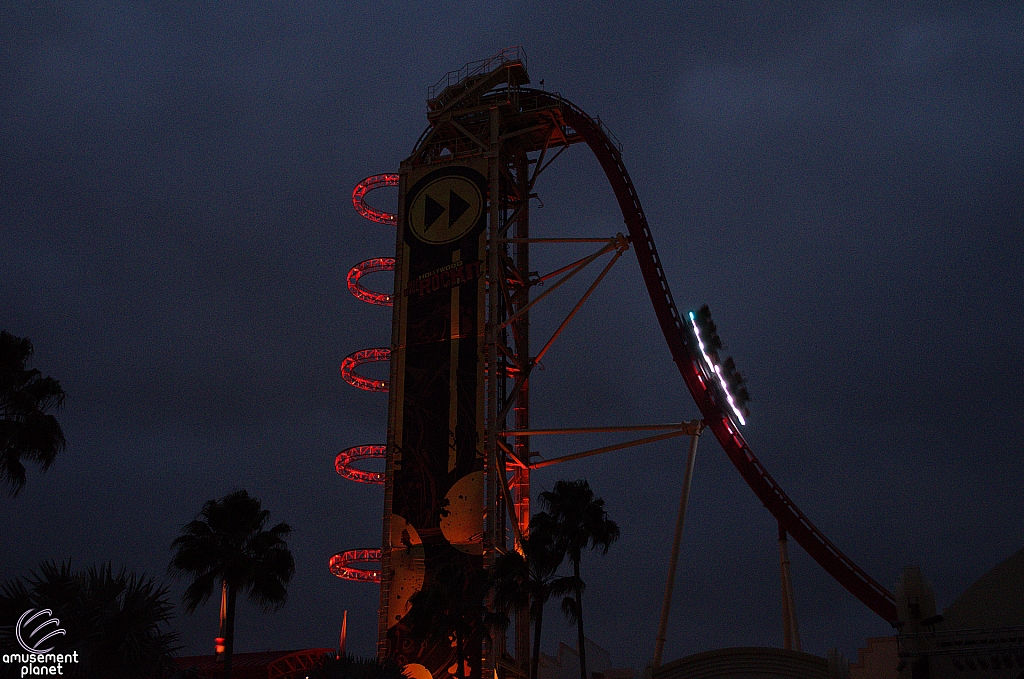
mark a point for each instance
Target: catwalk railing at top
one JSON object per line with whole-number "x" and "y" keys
{"x": 508, "y": 55}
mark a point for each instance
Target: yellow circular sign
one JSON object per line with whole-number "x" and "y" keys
{"x": 445, "y": 209}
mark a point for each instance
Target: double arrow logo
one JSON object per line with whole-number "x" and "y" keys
{"x": 445, "y": 209}
{"x": 432, "y": 210}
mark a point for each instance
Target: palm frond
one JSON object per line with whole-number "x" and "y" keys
{"x": 570, "y": 610}
{"x": 198, "y": 593}
{"x": 27, "y": 429}
{"x": 567, "y": 584}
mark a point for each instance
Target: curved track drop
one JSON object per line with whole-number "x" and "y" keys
{"x": 682, "y": 343}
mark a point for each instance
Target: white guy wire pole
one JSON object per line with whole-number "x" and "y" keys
{"x": 790, "y": 631}
{"x": 691, "y": 457}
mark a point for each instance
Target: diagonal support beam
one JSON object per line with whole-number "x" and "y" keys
{"x": 579, "y": 267}
{"x": 526, "y": 130}
{"x": 567, "y": 267}
{"x": 563, "y": 240}
{"x": 508, "y": 451}
{"x": 508, "y": 353}
{"x": 540, "y": 160}
{"x": 659, "y": 643}
{"x": 540, "y": 168}
{"x": 472, "y": 137}
{"x": 513, "y": 218}
{"x": 509, "y": 504}
{"x": 515, "y": 390}
{"x": 607, "y": 449}
{"x": 621, "y": 247}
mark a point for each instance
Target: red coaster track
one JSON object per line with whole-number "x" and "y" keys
{"x": 358, "y": 358}
{"x": 364, "y": 187}
{"x": 370, "y": 266}
{"x": 341, "y": 564}
{"x": 343, "y": 463}
{"x": 681, "y": 343}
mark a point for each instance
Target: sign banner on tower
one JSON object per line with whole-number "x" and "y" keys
{"x": 436, "y": 487}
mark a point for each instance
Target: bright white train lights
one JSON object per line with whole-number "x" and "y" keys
{"x": 728, "y": 396}
{"x": 729, "y": 380}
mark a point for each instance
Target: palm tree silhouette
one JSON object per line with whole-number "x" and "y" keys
{"x": 528, "y": 579}
{"x": 227, "y": 544}
{"x": 118, "y": 622}
{"x": 578, "y": 520}
{"x": 27, "y": 431}
{"x": 451, "y": 606}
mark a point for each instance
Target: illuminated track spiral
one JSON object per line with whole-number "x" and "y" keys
{"x": 358, "y": 358}
{"x": 364, "y": 187}
{"x": 378, "y": 354}
{"x": 370, "y": 266}
{"x": 343, "y": 463}
{"x": 341, "y": 565}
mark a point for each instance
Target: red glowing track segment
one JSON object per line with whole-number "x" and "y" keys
{"x": 358, "y": 358}
{"x": 813, "y": 541}
{"x": 365, "y": 267}
{"x": 354, "y": 360}
{"x": 364, "y": 187}
{"x": 341, "y": 565}
{"x": 343, "y": 463}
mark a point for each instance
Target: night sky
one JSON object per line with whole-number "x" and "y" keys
{"x": 842, "y": 183}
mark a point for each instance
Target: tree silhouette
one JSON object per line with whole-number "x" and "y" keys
{"x": 228, "y": 543}
{"x": 452, "y": 606}
{"x": 118, "y": 622}
{"x": 27, "y": 430}
{"x": 528, "y": 579}
{"x": 579, "y": 520}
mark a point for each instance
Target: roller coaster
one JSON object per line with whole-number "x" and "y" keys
{"x": 548, "y": 124}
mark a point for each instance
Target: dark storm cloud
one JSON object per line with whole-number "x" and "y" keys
{"x": 842, "y": 183}
{"x": 899, "y": 155}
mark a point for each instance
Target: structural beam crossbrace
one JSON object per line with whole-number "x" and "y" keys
{"x": 607, "y": 449}
{"x": 693, "y": 427}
